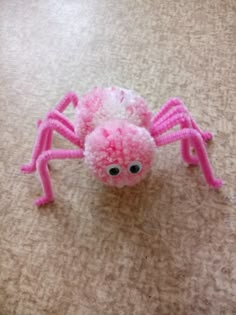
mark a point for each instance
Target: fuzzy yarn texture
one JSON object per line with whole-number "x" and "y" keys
{"x": 119, "y": 143}
{"x": 117, "y": 135}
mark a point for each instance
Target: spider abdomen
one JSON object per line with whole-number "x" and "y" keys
{"x": 101, "y": 105}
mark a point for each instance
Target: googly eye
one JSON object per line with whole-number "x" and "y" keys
{"x": 135, "y": 167}
{"x": 113, "y": 170}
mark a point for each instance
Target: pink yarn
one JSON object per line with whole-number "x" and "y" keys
{"x": 117, "y": 135}
{"x": 108, "y": 104}
{"x": 119, "y": 143}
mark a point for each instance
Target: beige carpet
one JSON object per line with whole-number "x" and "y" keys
{"x": 166, "y": 246}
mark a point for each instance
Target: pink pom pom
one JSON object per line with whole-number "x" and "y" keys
{"x": 105, "y": 104}
{"x": 119, "y": 153}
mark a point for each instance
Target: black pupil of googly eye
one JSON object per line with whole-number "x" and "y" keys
{"x": 114, "y": 171}
{"x": 134, "y": 169}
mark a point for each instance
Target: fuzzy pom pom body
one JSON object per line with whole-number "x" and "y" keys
{"x": 119, "y": 153}
{"x": 101, "y": 105}
{"x": 112, "y": 124}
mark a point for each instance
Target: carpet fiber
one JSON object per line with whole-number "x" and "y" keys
{"x": 166, "y": 246}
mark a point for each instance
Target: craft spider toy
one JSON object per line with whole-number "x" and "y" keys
{"x": 117, "y": 135}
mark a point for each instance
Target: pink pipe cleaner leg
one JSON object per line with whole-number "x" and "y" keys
{"x": 42, "y": 166}
{"x": 46, "y": 127}
{"x": 185, "y": 122}
{"x": 165, "y": 108}
{"x": 61, "y": 106}
{"x": 206, "y": 135}
{"x": 59, "y": 117}
{"x": 55, "y": 114}
{"x": 174, "y": 106}
{"x": 178, "y": 109}
{"x": 48, "y": 141}
{"x": 70, "y": 97}
{"x": 199, "y": 146}
{"x": 48, "y": 137}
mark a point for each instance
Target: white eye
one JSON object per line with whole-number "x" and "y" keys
{"x": 135, "y": 167}
{"x": 113, "y": 169}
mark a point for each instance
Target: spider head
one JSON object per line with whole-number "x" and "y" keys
{"x": 119, "y": 153}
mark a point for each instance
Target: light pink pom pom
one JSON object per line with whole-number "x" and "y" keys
{"x": 119, "y": 153}
{"x": 105, "y": 104}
